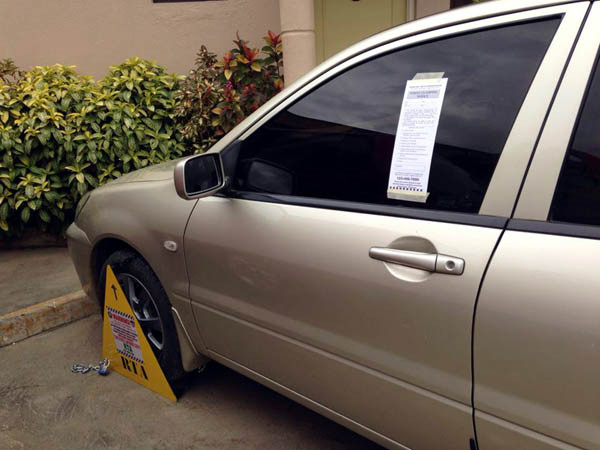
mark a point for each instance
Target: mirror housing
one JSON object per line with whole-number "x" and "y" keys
{"x": 199, "y": 176}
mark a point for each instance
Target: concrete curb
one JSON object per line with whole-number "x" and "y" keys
{"x": 35, "y": 319}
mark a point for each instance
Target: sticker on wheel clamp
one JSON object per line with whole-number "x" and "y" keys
{"x": 125, "y": 334}
{"x": 124, "y": 343}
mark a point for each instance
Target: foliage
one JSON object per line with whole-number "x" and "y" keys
{"x": 217, "y": 95}
{"x": 136, "y": 108}
{"x": 199, "y": 94}
{"x": 61, "y": 135}
{"x": 9, "y": 72}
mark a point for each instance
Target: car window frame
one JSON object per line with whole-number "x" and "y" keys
{"x": 546, "y": 79}
{"x": 535, "y": 201}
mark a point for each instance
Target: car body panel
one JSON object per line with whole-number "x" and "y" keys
{"x": 537, "y": 337}
{"x": 405, "y": 324}
{"x": 397, "y": 411}
{"x": 80, "y": 251}
{"x": 303, "y": 400}
{"x": 497, "y": 434}
{"x": 142, "y": 215}
{"x": 157, "y": 172}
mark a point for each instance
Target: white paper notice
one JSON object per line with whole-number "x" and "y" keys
{"x": 415, "y": 139}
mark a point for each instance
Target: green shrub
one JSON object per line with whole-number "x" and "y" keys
{"x": 61, "y": 135}
{"x": 135, "y": 107}
{"x": 37, "y": 139}
{"x": 217, "y": 95}
{"x": 199, "y": 94}
{"x": 9, "y": 72}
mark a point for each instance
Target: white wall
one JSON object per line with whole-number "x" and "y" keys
{"x": 298, "y": 38}
{"x": 428, "y": 7}
{"x": 93, "y": 34}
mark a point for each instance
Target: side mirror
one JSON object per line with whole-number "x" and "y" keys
{"x": 199, "y": 176}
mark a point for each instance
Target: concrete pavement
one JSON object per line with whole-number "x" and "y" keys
{"x": 31, "y": 276}
{"x": 39, "y": 291}
{"x": 44, "y": 405}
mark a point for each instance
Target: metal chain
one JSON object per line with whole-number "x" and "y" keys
{"x": 83, "y": 368}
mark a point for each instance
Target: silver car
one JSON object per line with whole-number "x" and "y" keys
{"x": 467, "y": 316}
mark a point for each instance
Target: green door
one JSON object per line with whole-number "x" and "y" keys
{"x": 341, "y": 23}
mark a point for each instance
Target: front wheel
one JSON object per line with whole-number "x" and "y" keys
{"x": 151, "y": 307}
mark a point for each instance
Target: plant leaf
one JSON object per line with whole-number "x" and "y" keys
{"x": 25, "y": 214}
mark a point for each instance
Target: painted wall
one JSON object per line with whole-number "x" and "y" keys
{"x": 429, "y": 7}
{"x": 298, "y": 38}
{"x": 340, "y": 24}
{"x": 93, "y": 34}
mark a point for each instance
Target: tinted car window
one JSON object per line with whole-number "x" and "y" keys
{"x": 337, "y": 142}
{"x": 577, "y": 196}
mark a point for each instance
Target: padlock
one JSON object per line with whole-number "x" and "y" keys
{"x": 103, "y": 369}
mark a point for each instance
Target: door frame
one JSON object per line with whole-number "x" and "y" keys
{"x": 547, "y": 161}
{"x": 506, "y": 181}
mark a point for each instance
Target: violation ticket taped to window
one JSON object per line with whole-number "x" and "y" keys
{"x": 415, "y": 139}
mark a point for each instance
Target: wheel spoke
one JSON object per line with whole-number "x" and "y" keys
{"x": 152, "y": 323}
{"x": 145, "y": 310}
{"x": 143, "y": 300}
{"x": 154, "y": 341}
{"x": 131, "y": 291}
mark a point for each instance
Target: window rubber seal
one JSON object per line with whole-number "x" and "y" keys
{"x": 369, "y": 208}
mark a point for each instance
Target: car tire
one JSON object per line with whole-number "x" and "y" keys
{"x": 130, "y": 268}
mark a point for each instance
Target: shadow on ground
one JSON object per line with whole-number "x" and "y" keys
{"x": 44, "y": 405}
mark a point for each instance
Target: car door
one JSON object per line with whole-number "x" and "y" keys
{"x": 537, "y": 325}
{"x": 294, "y": 273}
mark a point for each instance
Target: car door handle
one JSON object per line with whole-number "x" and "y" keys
{"x": 431, "y": 262}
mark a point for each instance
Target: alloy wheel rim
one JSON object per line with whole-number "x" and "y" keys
{"x": 145, "y": 310}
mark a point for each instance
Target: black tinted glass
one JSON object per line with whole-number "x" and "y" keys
{"x": 202, "y": 174}
{"x": 577, "y": 197}
{"x": 337, "y": 142}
